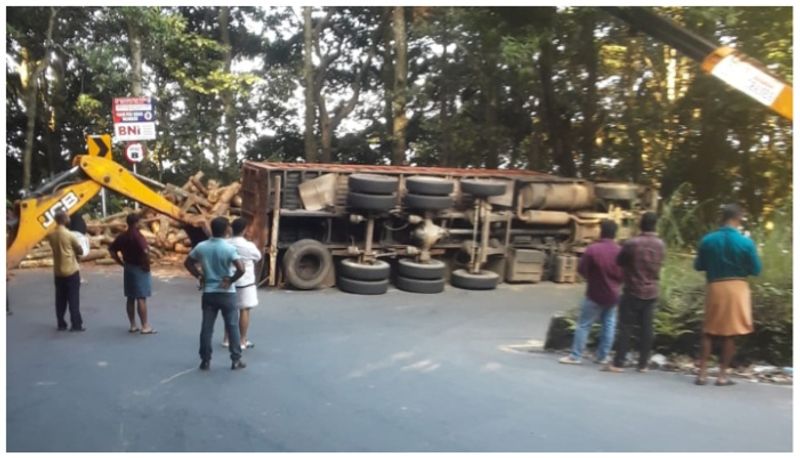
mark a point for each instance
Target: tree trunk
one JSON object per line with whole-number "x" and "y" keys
{"x": 135, "y": 43}
{"x": 400, "y": 86}
{"x": 228, "y": 95}
{"x": 388, "y": 82}
{"x": 558, "y": 128}
{"x": 308, "y": 76}
{"x": 326, "y": 127}
{"x": 31, "y": 99}
{"x": 631, "y": 125}
{"x": 492, "y": 153}
{"x": 444, "y": 103}
{"x": 590, "y": 58}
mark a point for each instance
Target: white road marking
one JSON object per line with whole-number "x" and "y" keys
{"x": 169, "y": 379}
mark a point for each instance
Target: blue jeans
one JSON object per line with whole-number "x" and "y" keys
{"x": 590, "y": 312}
{"x": 225, "y": 303}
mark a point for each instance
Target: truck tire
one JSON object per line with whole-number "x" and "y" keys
{"x": 485, "y": 279}
{"x": 351, "y": 269}
{"x": 416, "y": 285}
{"x": 376, "y": 202}
{"x": 306, "y": 263}
{"x": 433, "y": 270}
{"x": 372, "y": 184}
{"x": 354, "y": 286}
{"x": 483, "y": 188}
{"x": 429, "y": 186}
{"x": 616, "y": 191}
{"x": 423, "y": 202}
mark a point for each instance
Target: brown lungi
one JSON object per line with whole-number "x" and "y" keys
{"x": 728, "y": 308}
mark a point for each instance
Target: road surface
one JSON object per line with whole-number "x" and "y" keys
{"x": 338, "y": 372}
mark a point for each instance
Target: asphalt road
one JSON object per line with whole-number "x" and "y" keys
{"x": 338, "y": 372}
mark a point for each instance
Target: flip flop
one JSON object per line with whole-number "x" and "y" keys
{"x": 133, "y": 330}
{"x": 700, "y": 382}
{"x": 728, "y": 382}
{"x": 151, "y": 331}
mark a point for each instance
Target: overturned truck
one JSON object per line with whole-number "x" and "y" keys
{"x": 362, "y": 227}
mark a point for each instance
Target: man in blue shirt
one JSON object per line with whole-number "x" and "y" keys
{"x": 217, "y": 259}
{"x": 727, "y": 257}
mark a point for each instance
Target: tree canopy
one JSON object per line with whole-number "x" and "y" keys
{"x": 569, "y": 91}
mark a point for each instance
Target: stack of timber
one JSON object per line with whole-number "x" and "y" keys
{"x": 168, "y": 242}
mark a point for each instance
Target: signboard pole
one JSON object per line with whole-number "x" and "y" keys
{"x": 103, "y": 197}
{"x": 135, "y": 203}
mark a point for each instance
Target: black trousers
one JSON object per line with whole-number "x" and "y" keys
{"x": 635, "y": 311}
{"x": 68, "y": 292}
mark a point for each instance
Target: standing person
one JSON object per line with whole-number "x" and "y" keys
{"x": 640, "y": 259}
{"x": 603, "y": 277}
{"x": 217, "y": 258}
{"x": 727, "y": 257}
{"x": 246, "y": 294}
{"x": 137, "y": 283}
{"x": 66, "y": 250}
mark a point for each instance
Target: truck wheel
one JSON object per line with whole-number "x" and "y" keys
{"x": 372, "y": 184}
{"x": 616, "y": 191}
{"x": 432, "y": 270}
{"x": 483, "y": 188}
{"x": 485, "y": 279}
{"x": 351, "y": 269}
{"x": 306, "y": 263}
{"x": 422, "y": 202}
{"x": 351, "y": 285}
{"x": 377, "y": 202}
{"x": 429, "y": 186}
{"x": 416, "y": 285}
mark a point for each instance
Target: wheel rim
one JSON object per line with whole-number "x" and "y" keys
{"x": 308, "y": 266}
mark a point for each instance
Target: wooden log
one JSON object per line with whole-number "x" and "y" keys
{"x": 95, "y": 255}
{"x": 120, "y": 215}
{"x": 105, "y": 262}
{"x": 189, "y": 184}
{"x": 226, "y": 194}
{"x": 36, "y": 263}
{"x": 163, "y": 230}
{"x": 181, "y": 248}
{"x": 197, "y": 184}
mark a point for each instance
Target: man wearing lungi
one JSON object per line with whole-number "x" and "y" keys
{"x": 136, "y": 272}
{"x": 246, "y": 297}
{"x": 727, "y": 257}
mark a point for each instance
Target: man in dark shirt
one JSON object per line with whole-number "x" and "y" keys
{"x": 603, "y": 277}
{"x": 641, "y": 258}
{"x": 136, "y": 268}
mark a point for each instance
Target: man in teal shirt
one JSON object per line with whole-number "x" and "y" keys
{"x": 728, "y": 258}
{"x": 217, "y": 259}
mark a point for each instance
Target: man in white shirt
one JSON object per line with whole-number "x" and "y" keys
{"x": 246, "y": 297}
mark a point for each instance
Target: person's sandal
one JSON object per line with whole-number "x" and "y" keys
{"x": 727, "y": 382}
{"x": 150, "y": 331}
{"x": 612, "y": 368}
{"x": 133, "y": 330}
{"x": 700, "y": 381}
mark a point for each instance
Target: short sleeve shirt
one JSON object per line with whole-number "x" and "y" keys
{"x": 250, "y": 255}
{"x": 216, "y": 257}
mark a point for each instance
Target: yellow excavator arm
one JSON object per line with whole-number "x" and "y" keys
{"x": 71, "y": 191}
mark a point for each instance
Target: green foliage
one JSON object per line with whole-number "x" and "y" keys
{"x": 476, "y": 95}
